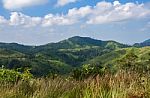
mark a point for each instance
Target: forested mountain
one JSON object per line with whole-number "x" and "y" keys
{"x": 145, "y": 43}
{"x": 61, "y": 57}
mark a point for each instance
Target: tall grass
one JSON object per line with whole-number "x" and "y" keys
{"x": 124, "y": 84}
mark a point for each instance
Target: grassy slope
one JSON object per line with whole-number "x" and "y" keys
{"x": 109, "y": 58}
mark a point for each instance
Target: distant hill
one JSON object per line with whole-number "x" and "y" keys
{"x": 74, "y": 51}
{"x": 60, "y": 57}
{"x": 16, "y": 47}
{"x": 143, "y": 44}
{"x": 80, "y": 42}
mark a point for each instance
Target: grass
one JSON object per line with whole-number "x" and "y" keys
{"x": 124, "y": 84}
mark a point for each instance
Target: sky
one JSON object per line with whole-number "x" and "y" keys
{"x": 38, "y": 22}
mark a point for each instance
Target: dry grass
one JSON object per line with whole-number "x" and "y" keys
{"x": 121, "y": 85}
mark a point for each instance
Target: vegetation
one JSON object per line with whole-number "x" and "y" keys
{"x": 61, "y": 57}
{"x": 124, "y": 84}
{"x": 75, "y": 68}
{"x": 145, "y": 43}
{"x": 13, "y": 76}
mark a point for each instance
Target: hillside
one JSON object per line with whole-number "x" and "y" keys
{"x": 111, "y": 58}
{"x": 63, "y": 56}
{"x": 143, "y": 44}
{"x": 76, "y": 50}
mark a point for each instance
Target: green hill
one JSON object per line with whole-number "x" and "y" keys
{"x": 76, "y": 50}
{"x": 111, "y": 58}
{"x": 63, "y": 56}
{"x": 143, "y": 44}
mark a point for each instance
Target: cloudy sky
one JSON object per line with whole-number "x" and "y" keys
{"x": 36, "y": 22}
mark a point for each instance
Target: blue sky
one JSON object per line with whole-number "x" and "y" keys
{"x": 36, "y": 22}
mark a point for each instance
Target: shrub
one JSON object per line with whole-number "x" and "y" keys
{"x": 13, "y": 76}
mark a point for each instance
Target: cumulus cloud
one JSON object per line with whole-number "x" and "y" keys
{"x": 80, "y": 13}
{"x": 51, "y": 19}
{"x": 115, "y": 3}
{"x": 24, "y": 20}
{"x": 18, "y": 4}
{"x": 64, "y": 2}
{"x": 105, "y": 12}
{"x": 19, "y": 19}
{"x": 102, "y": 13}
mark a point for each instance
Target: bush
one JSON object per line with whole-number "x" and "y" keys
{"x": 87, "y": 71}
{"x": 7, "y": 75}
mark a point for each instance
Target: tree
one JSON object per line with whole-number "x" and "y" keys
{"x": 87, "y": 71}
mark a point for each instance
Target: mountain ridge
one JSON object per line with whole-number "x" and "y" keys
{"x": 74, "y": 38}
{"x": 61, "y": 56}
{"x": 143, "y": 44}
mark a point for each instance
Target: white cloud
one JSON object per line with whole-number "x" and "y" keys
{"x": 19, "y": 19}
{"x": 24, "y": 20}
{"x": 18, "y": 4}
{"x": 105, "y": 12}
{"x": 102, "y": 13}
{"x": 51, "y": 19}
{"x": 64, "y": 2}
{"x": 116, "y": 3}
{"x": 80, "y": 13}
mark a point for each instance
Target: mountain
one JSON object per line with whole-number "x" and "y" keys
{"x": 147, "y": 41}
{"x": 143, "y": 44}
{"x": 16, "y": 47}
{"x": 76, "y": 50}
{"x": 60, "y": 57}
{"x": 80, "y": 42}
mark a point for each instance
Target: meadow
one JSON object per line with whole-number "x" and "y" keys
{"x": 123, "y": 84}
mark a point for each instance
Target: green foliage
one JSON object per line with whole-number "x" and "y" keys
{"x": 26, "y": 75}
{"x": 65, "y": 55}
{"x": 9, "y": 75}
{"x": 13, "y": 76}
{"x": 87, "y": 71}
{"x": 102, "y": 69}
{"x": 132, "y": 61}
{"x": 107, "y": 58}
{"x": 124, "y": 84}
{"x": 62, "y": 56}
{"x": 128, "y": 61}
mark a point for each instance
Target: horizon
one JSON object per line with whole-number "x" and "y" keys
{"x": 67, "y": 39}
{"x": 38, "y": 22}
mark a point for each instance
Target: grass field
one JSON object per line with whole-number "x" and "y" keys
{"x": 121, "y": 85}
